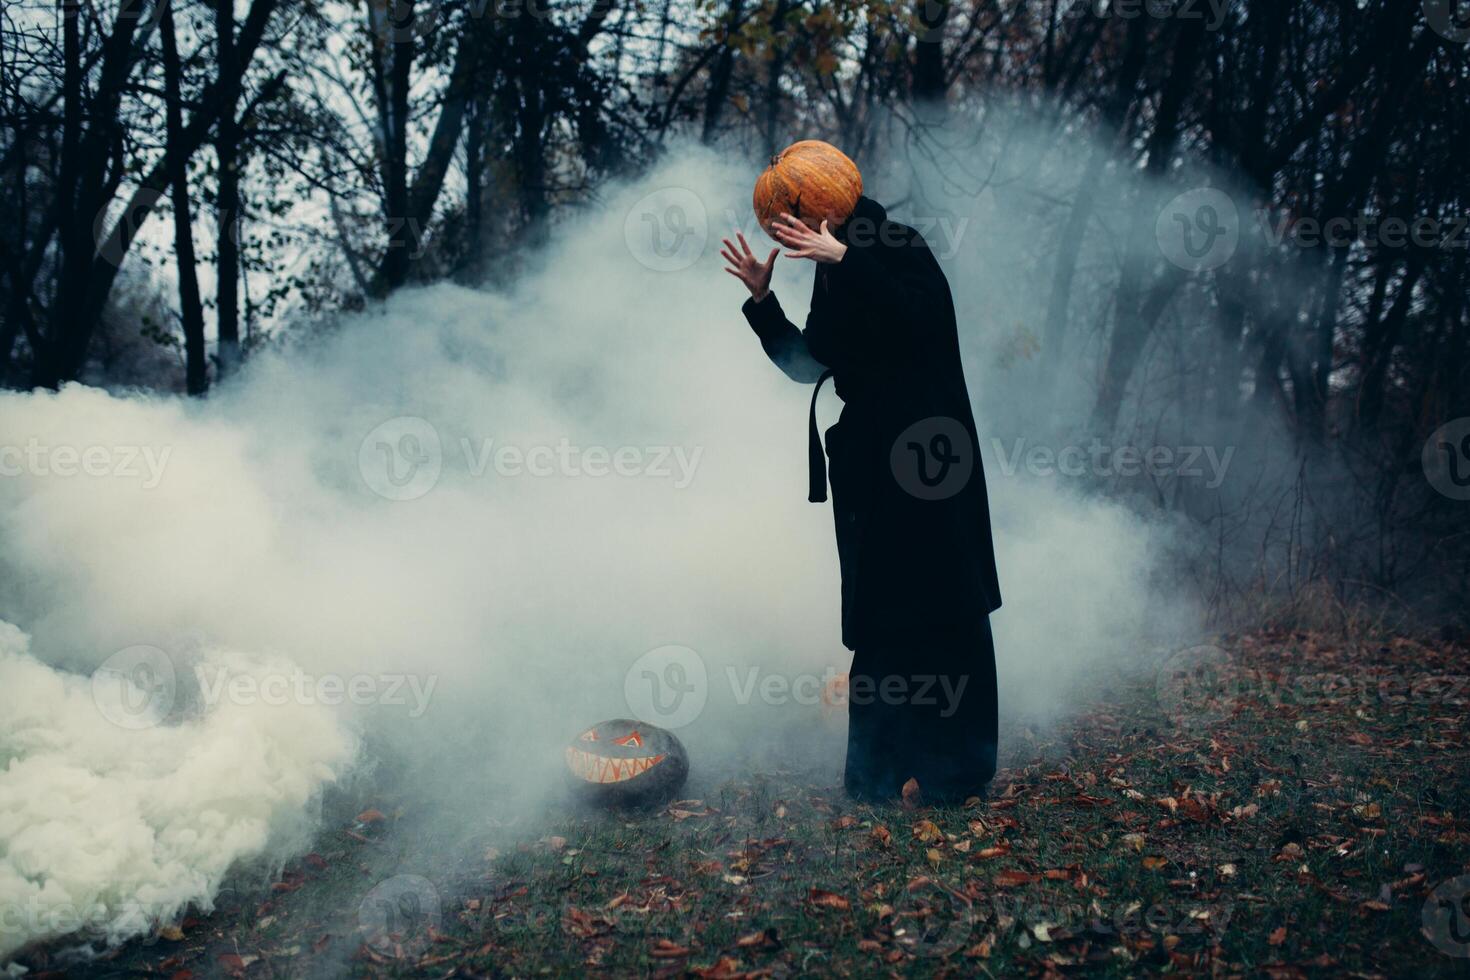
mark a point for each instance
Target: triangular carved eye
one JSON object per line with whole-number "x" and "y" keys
{"x": 590, "y": 735}
{"x": 633, "y": 739}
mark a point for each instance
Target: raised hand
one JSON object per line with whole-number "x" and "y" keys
{"x": 819, "y": 246}
{"x": 748, "y": 269}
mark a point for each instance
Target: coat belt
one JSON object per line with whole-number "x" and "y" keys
{"x": 816, "y": 457}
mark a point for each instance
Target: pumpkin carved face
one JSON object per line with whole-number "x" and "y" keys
{"x": 623, "y": 761}
{"x": 810, "y": 180}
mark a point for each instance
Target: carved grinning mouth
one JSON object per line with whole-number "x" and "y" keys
{"x": 601, "y": 769}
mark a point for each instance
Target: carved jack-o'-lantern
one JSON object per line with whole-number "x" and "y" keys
{"x": 626, "y": 762}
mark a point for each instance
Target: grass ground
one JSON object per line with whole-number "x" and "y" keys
{"x": 1300, "y": 813}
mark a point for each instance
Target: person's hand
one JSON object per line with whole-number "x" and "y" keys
{"x": 819, "y": 246}
{"x": 748, "y": 269}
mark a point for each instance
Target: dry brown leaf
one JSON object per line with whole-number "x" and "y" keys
{"x": 765, "y": 939}
{"x": 668, "y": 949}
{"x": 911, "y": 793}
{"x": 828, "y": 900}
{"x": 928, "y": 832}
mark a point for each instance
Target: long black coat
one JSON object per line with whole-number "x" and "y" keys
{"x": 908, "y": 489}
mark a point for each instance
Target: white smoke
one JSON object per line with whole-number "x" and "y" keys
{"x": 111, "y": 824}
{"x": 595, "y": 465}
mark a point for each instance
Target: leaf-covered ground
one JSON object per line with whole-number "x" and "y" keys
{"x": 1288, "y": 806}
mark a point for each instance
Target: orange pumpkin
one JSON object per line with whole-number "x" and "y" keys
{"x": 810, "y": 180}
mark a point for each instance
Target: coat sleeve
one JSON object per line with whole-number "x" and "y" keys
{"x": 783, "y": 343}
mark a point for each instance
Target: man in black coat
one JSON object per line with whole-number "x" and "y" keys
{"x": 908, "y": 494}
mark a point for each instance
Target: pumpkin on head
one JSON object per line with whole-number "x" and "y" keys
{"x": 626, "y": 762}
{"x": 812, "y": 181}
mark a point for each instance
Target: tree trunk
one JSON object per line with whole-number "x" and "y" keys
{"x": 927, "y": 82}
{"x": 394, "y": 79}
{"x": 191, "y": 308}
{"x": 1131, "y": 325}
{"x": 718, "y": 93}
{"x": 228, "y": 219}
{"x": 775, "y": 69}
{"x": 1069, "y": 249}
{"x": 89, "y": 267}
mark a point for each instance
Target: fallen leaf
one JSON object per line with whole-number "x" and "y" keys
{"x": 828, "y": 900}
{"x": 1278, "y": 936}
{"x": 667, "y": 949}
{"x": 910, "y": 793}
{"x": 928, "y": 832}
{"x": 371, "y": 816}
{"x": 1013, "y": 877}
{"x": 981, "y": 950}
{"x": 765, "y": 939}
